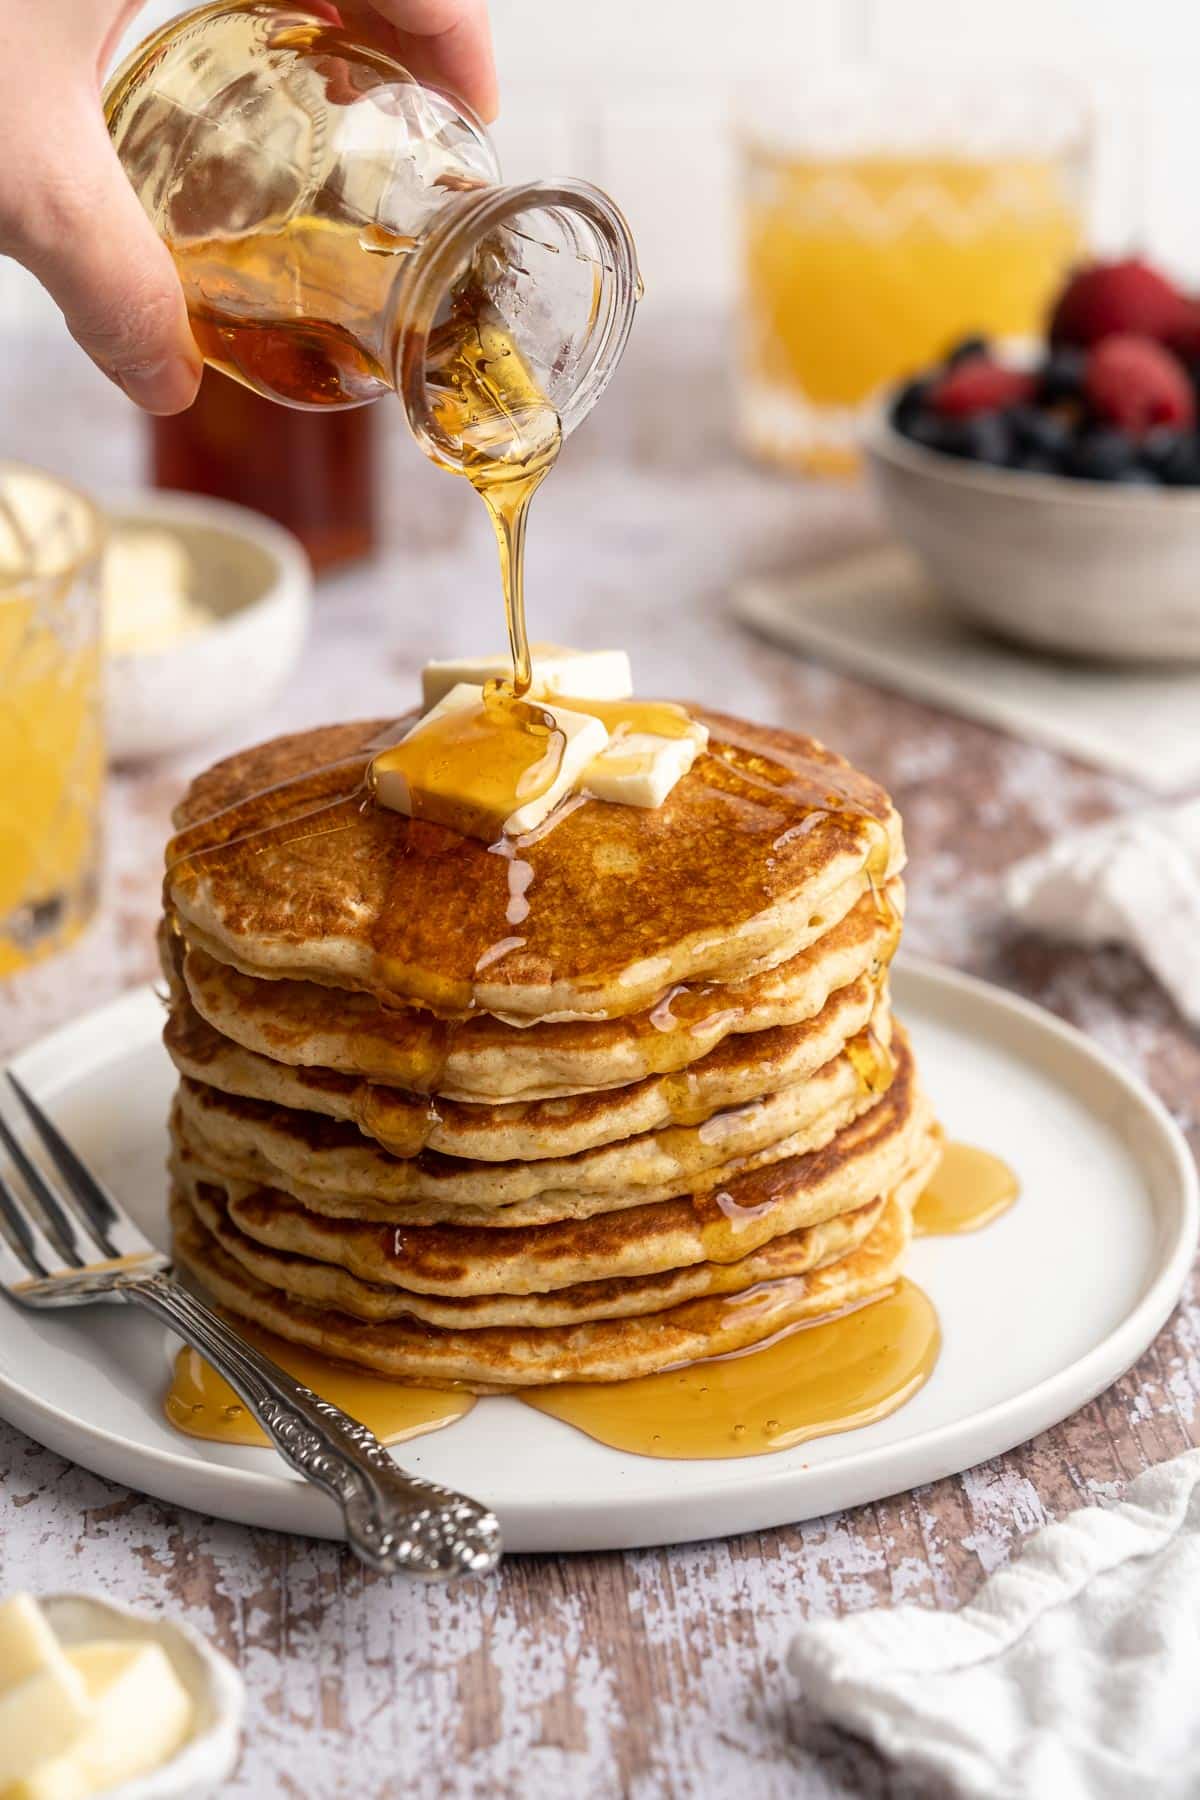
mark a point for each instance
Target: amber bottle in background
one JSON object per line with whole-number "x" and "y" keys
{"x": 312, "y": 471}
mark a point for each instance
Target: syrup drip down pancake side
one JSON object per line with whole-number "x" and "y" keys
{"x": 727, "y": 1080}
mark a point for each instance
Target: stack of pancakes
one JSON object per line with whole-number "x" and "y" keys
{"x": 607, "y": 1099}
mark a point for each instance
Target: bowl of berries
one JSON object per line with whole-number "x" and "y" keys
{"x": 1054, "y": 493}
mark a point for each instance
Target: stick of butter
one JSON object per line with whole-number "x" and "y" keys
{"x": 587, "y": 674}
{"x": 452, "y": 770}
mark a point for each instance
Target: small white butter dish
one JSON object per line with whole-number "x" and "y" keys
{"x": 252, "y": 580}
{"x": 206, "y": 1760}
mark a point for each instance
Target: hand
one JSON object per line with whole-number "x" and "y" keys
{"x": 445, "y": 42}
{"x": 69, "y": 214}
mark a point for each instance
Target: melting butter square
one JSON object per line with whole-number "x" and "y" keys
{"x": 639, "y": 768}
{"x": 474, "y": 796}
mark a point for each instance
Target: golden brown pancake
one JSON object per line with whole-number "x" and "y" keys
{"x": 768, "y": 1067}
{"x": 867, "y": 1158}
{"x": 303, "y": 1155}
{"x": 331, "y": 1168}
{"x": 324, "y": 1285}
{"x": 280, "y": 870}
{"x": 493, "y": 1358}
{"x": 485, "y": 1060}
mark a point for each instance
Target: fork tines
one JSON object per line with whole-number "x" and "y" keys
{"x": 78, "y": 1222}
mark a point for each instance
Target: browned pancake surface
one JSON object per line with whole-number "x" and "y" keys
{"x": 601, "y": 1350}
{"x": 759, "y": 1068}
{"x": 483, "y": 1059}
{"x": 280, "y": 866}
{"x": 326, "y": 1285}
{"x": 865, "y": 1159}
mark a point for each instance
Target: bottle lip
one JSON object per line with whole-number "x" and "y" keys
{"x": 464, "y": 223}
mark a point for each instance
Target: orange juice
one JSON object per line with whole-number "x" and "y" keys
{"x": 862, "y": 269}
{"x": 51, "y": 749}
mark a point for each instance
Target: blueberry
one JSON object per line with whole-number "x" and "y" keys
{"x": 934, "y": 432}
{"x": 988, "y": 439}
{"x": 929, "y": 430}
{"x": 909, "y": 403}
{"x": 1039, "y": 433}
{"x": 1101, "y": 456}
{"x": 1181, "y": 467}
{"x": 1061, "y": 375}
{"x": 965, "y": 349}
{"x": 1159, "y": 450}
{"x": 1035, "y": 462}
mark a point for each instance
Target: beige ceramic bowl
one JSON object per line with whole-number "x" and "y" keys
{"x": 1077, "y": 567}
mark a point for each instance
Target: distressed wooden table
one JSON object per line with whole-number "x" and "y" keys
{"x": 658, "y": 1673}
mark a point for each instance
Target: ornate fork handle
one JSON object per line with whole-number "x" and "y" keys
{"x": 394, "y": 1521}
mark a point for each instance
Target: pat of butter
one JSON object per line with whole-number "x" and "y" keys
{"x": 472, "y": 794}
{"x": 141, "y": 1715}
{"x": 584, "y": 674}
{"x": 145, "y": 593}
{"x": 44, "y": 1705}
{"x": 639, "y": 768}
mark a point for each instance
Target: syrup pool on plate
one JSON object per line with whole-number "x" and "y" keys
{"x": 828, "y": 1377}
{"x": 201, "y": 1403}
{"x": 969, "y": 1189}
{"x": 818, "y": 1379}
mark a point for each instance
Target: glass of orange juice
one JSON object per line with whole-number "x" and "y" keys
{"x": 885, "y": 214}
{"x": 51, "y": 738}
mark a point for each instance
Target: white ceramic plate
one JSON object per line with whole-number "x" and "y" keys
{"x": 1040, "y": 1311}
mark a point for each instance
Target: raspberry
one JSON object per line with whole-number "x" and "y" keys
{"x": 1135, "y": 384}
{"x": 1107, "y": 298}
{"x": 1185, "y": 335}
{"x": 978, "y": 385}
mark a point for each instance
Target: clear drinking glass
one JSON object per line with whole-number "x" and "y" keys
{"x": 886, "y": 213}
{"x": 51, "y": 738}
{"x": 323, "y": 208}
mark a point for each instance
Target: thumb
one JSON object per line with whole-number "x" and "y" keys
{"x": 79, "y": 227}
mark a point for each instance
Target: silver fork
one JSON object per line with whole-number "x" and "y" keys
{"x": 396, "y": 1522}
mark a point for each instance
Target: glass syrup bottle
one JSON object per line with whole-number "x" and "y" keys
{"x": 339, "y": 226}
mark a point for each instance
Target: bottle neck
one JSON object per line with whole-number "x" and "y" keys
{"x": 553, "y": 267}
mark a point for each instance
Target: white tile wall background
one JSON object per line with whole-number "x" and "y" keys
{"x": 636, "y": 95}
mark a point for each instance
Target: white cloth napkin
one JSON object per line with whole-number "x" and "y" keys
{"x": 1134, "y": 880}
{"x": 1073, "y": 1675}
